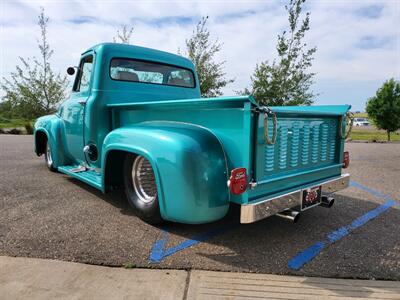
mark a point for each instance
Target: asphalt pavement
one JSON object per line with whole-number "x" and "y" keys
{"x": 49, "y": 215}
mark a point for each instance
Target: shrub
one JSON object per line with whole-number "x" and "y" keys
{"x": 14, "y": 131}
{"x": 28, "y": 128}
{"x": 4, "y": 120}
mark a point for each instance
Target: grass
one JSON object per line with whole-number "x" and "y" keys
{"x": 361, "y": 115}
{"x": 129, "y": 265}
{"x": 372, "y": 135}
{"x": 13, "y": 123}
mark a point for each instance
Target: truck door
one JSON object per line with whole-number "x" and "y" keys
{"x": 74, "y": 110}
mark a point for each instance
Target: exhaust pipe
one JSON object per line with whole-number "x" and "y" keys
{"x": 289, "y": 215}
{"x": 327, "y": 201}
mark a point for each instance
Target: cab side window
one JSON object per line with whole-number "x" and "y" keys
{"x": 82, "y": 81}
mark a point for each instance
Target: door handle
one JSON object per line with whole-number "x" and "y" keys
{"x": 83, "y": 102}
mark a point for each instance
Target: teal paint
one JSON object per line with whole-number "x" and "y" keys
{"x": 188, "y": 163}
{"x": 192, "y": 143}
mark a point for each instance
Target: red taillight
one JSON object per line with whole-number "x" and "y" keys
{"x": 238, "y": 181}
{"x": 346, "y": 159}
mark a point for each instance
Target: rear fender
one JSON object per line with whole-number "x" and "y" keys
{"x": 189, "y": 165}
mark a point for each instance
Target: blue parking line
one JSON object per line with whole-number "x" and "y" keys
{"x": 308, "y": 254}
{"x": 159, "y": 250}
{"x": 368, "y": 190}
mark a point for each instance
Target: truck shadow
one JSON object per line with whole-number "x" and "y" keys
{"x": 116, "y": 198}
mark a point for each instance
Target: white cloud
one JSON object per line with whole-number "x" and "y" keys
{"x": 358, "y": 41}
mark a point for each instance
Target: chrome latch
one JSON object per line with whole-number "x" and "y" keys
{"x": 86, "y": 149}
{"x": 253, "y": 185}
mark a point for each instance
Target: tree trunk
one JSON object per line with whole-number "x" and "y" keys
{"x": 388, "y": 134}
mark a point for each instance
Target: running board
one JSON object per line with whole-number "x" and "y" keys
{"x": 78, "y": 169}
{"x": 90, "y": 177}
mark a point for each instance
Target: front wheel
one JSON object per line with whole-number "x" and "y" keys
{"x": 141, "y": 188}
{"x": 49, "y": 158}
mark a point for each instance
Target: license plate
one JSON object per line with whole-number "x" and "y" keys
{"x": 311, "y": 197}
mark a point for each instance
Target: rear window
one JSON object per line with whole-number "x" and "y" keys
{"x": 125, "y": 69}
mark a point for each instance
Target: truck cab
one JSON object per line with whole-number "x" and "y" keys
{"x": 136, "y": 120}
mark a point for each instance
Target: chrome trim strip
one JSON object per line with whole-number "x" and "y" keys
{"x": 250, "y": 213}
{"x": 299, "y": 174}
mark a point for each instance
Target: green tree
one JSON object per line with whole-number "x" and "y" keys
{"x": 124, "y": 35}
{"x": 201, "y": 51}
{"x": 287, "y": 81}
{"x": 34, "y": 89}
{"x": 384, "y": 107}
{"x": 5, "y": 110}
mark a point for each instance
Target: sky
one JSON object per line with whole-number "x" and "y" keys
{"x": 358, "y": 42}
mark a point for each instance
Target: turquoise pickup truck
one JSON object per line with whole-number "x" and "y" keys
{"x": 135, "y": 120}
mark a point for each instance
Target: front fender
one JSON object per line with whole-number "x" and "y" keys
{"x": 189, "y": 165}
{"x": 51, "y": 126}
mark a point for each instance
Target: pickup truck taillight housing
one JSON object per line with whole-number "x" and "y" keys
{"x": 237, "y": 183}
{"x": 346, "y": 159}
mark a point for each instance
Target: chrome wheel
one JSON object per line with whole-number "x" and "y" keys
{"x": 49, "y": 158}
{"x": 143, "y": 180}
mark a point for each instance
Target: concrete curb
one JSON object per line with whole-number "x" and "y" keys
{"x": 224, "y": 285}
{"x": 22, "y": 278}
{"x": 31, "y": 278}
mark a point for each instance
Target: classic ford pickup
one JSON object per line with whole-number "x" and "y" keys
{"x": 135, "y": 120}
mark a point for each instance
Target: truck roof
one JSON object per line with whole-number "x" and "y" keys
{"x": 138, "y": 52}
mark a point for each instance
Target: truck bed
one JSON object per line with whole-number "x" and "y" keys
{"x": 308, "y": 146}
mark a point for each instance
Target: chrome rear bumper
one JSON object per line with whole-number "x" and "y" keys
{"x": 250, "y": 213}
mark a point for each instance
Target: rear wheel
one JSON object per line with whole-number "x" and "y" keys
{"x": 49, "y": 158}
{"x": 141, "y": 188}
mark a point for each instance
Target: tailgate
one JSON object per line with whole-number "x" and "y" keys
{"x": 308, "y": 148}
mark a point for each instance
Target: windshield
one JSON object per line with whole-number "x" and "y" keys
{"x": 125, "y": 69}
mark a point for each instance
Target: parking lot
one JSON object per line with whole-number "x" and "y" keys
{"x": 49, "y": 215}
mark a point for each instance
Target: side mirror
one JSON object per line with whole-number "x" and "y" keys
{"x": 71, "y": 71}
